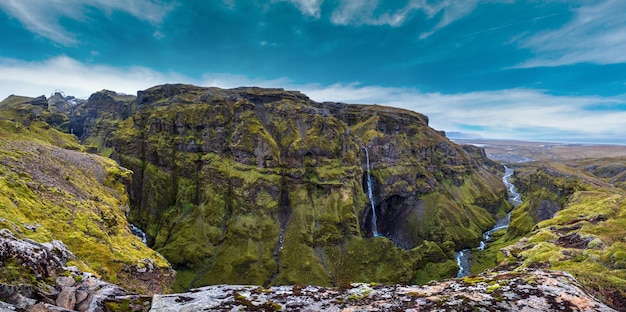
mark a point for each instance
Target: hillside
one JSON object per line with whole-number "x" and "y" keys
{"x": 52, "y": 192}
{"x": 571, "y": 218}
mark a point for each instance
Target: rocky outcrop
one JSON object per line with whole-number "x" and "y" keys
{"x": 533, "y": 290}
{"x": 36, "y": 277}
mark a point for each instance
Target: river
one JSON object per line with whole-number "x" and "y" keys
{"x": 462, "y": 256}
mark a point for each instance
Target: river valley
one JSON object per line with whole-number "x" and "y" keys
{"x": 463, "y": 256}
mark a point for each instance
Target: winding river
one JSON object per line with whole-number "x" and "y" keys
{"x": 462, "y": 256}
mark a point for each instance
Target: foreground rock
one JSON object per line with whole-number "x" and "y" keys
{"x": 534, "y": 290}
{"x": 35, "y": 278}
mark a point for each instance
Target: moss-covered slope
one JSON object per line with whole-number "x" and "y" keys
{"x": 50, "y": 189}
{"x": 584, "y": 232}
{"x": 265, "y": 186}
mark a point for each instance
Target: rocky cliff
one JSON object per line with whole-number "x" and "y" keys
{"x": 266, "y": 186}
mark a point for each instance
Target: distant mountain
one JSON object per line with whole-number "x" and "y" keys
{"x": 452, "y": 135}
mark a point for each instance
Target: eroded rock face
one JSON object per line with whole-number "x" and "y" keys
{"x": 533, "y": 290}
{"x": 241, "y": 185}
{"x": 36, "y": 278}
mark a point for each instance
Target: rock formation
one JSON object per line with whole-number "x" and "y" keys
{"x": 36, "y": 277}
{"x": 266, "y": 186}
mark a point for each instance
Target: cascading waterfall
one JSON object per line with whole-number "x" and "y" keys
{"x": 370, "y": 194}
{"x": 515, "y": 199}
{"x": 463, "y": 262}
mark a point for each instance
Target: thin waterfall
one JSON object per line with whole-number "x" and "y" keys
{"x": 370, "y": 194}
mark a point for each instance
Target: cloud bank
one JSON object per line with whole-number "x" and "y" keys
{"x": 513, "y": 113}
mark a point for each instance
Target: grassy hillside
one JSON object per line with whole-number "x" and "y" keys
{"x": 573, "y": 219}
{"x": 50, "y": 189}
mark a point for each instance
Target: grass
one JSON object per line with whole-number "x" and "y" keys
{"x": 72, "y": 196}
{"x": 585, "y": 238}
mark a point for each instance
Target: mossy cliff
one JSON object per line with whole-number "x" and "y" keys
{"x": 265, "y": 186}
{"x": 50, "y": 189}
{"x": 584, "y": 233}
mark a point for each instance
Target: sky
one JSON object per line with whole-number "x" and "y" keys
{"x": 525, "y": 70}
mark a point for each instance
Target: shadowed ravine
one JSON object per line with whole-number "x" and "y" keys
{"x": 462, "y": 256}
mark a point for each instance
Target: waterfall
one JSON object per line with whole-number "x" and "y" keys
{"x": 462, "y": 260}
{"x": 370, "y": 194}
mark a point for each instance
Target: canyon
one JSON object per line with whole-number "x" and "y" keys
{"x": 253, "y": 186}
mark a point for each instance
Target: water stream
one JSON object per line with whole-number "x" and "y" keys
{"x": 370, "y": 194}
{"x": 462, "y": 256}
{"x": 138, "y": 232}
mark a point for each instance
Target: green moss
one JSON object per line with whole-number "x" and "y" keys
{"x": 434, "y": 271}
{"x": 73, "y": 197}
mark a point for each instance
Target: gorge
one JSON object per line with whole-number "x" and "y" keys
{"x": 261, "y": 187}
{"x": 462, "y": 256}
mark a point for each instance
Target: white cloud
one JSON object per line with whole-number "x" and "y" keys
{"x": 596, "y": 34}
{"x": 364, "y": 13}
{"x": 308, "y": 7}
{"x": 75, "y": 78}
{"x": 513, "y": 113}
{"x": 42, "y": 16}
{"x": 158, "y": 35}
{"x": 452, "y": 11}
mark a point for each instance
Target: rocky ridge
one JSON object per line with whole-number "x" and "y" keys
{"x": 46, "y": 283}
{"x": 531, "y": 290}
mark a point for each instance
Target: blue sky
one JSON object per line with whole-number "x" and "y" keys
{"x": 533, "y": 70}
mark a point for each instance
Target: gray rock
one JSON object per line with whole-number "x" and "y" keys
{"x": 67, "y": 298}
{"x": 65, "y": 281}
{"x": 534, "y": 290}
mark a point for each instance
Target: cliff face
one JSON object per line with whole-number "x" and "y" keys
{"x": 265, "y": 186}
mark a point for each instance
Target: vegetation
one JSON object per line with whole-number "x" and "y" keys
{"x": 584, "y": 236}
{"x": 265, "y": 186}
{"x": 50, "y": 189}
